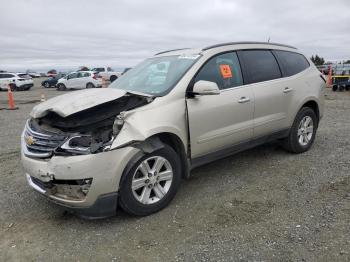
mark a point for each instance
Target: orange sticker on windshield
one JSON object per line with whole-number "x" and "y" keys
{"x": 225, "y": 71}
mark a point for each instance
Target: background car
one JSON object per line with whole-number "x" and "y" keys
{"x": 80, "y": 80}
{"x": 107, "y": 73}
{"x": 33, "y": 74}
{"x": 17, "y": 82}
{"x": 52, "y": 81}
{"x": 52, "y": 73}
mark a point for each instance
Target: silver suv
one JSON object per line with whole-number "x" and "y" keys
{"x": 131, "y": 144}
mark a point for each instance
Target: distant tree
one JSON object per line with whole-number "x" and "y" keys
{"x": 83, "y": 68}
{"x": 347, "y": 62}
{"x": 317, "y": 60}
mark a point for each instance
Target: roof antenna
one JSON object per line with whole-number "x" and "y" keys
{"x": 268, "y": 40}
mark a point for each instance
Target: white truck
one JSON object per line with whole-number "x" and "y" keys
{"x": 107, "y": 73}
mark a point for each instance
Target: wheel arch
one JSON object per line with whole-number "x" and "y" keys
{"x": 157, "y": 141}
{"x": 175, "y": 142}
{"x": 311, "y": 102}
{"x": 314, "y": 106}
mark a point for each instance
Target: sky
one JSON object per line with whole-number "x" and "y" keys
{"x": 61, "y": 34}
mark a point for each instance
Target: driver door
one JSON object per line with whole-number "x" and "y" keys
{"x": 217, "y": 122}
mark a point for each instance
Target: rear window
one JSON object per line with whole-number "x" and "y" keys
{"x": 24, "y": 75}
{"x": 291, "y": 63}
{"x": 6, "y": 75}
{"x": 259, "y": 65}
{"x": 83, "y": 74}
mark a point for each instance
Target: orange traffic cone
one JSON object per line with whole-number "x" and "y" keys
{"x": 329, "y": 79}
{"x": 10, "y": 98}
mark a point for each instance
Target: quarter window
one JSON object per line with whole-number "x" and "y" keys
{"x": 259, "y": 65}
{"x": 291, "y": 63}
{"x": 83, "y": 74}
{"x": 223, "y": 69}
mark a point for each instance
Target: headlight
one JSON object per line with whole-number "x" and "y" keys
{"x": 78, "y": 144}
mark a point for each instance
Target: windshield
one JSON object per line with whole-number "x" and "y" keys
{"x": 155, "y": 76}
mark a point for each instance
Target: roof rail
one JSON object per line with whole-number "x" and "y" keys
{"x": 167, "y": 51}
{"x": 247, "y": 42}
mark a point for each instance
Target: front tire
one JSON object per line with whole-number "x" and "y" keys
{"x": 151, "y": 183}
{"x": 303, "y": 131}
{"x": 113, "y": 78}
{"x": 46, "y": 85}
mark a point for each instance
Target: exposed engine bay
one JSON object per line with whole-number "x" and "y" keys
{"x": 88, "y": 131}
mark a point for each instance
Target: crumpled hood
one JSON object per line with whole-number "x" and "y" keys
{"x": 73, "y": 102}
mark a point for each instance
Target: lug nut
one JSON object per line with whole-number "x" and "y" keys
{"x": 150, "y": 186}
{"x": 149, "y": 174}
{"x": 147, "y": 181}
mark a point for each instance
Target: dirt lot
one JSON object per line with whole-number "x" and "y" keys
{"x": 260, "y": 205}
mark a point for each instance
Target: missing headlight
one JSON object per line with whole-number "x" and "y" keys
{"x": 77, "y": 144}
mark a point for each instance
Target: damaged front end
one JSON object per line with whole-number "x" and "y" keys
{"x": 89, "y": 131}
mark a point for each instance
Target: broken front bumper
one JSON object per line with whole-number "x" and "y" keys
{"x": 86, "y": 184}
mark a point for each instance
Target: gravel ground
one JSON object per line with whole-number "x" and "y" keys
{"x": 260, "y": 205}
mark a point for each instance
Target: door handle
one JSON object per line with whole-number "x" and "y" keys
{"x": 243, "y": 99}
{"x": 287, "y": 90}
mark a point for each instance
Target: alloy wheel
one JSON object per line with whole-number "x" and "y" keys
{"x": 152, "y": 180}
{"x": 305, "y": 130}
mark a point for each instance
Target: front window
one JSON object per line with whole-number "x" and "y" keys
{"x": 156, "y": 76}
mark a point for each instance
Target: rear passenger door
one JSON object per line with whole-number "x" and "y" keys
{"x": 262, "y": 73}
{"x": 82, "y": 79}
{"x": 219, "y": 121}
{"x": 72, "y": 80}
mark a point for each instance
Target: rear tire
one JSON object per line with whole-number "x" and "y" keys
{"x": 146, "y": 189}
{"x": 61, "y": 87}
{"x": 90, "y": 85}
{"x": 303, "y": 131}
{"x": 113, "y": 78}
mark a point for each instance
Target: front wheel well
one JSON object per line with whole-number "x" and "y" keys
{"x": 176, "y": 143}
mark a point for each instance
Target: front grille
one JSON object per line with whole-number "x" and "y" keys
{"x": 40, "y": 143}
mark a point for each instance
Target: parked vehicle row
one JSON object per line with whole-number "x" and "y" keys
{"x": 131, "y": 144}
{"x": 16, "y": 81}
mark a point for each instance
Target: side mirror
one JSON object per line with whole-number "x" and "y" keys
{"x": 205, "y": 88}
